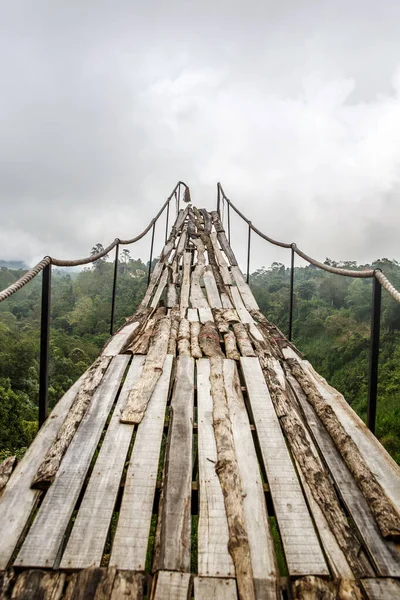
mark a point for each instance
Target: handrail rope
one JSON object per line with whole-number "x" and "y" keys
{"x": 32, "y": 273}
{"x": 389, "y": 287}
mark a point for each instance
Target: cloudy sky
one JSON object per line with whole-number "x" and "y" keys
{"x": 294, "y": 106}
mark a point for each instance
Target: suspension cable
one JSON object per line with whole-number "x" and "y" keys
{"x": 32, "y": 273}
{"x": 389, "y": 287}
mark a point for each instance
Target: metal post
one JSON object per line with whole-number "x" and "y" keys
{"x": 44, "y": 345}
{"x": 248, "y": 254}
{"x": 114, "y": 290}
{"x": 166, "y": 223}
{"x": 219, "y": 201}
{"x": 374, "y": 353}
{"x": 291, "y": 296}
{"x": 151, "y": 252}
{"x": 179, "y": 197}
{"x": 229, "y": 223}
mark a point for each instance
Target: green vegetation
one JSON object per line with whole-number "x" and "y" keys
{"x": 331, "y": 328}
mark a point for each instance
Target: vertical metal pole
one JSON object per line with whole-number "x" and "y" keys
{"x": 166, "y": 223}
{"x": 151, "y": 252}
{"x": 229, "y": 223}
{"x": 218, "y": 201}
{"x": 44, "y": 345}
{"x": 114, "y": 290}
{"x": 291, "y": 296}
{"x": 248, "y": 254}
{"x": 179, "y": 197}
{"x": 374, "y": 353}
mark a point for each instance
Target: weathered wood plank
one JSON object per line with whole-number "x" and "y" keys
{"x": 120, "y": 339}
{"x": 171, "y": 586}
{"x": 379, "y": 461}
{"x": 185, "y": 287}
{"x": 129, "y": 585}
{"x": 243, "y": 340}
{"x": 197, "y": 297}
{"x": 384, "y": 554}
{"x": 175, "y": 526}
{"x": 184, "y": 338}
{"x": 260, "y": 540}
{"x": 38, "y": 585}
{"x": 214, "y": 299}
{"x": 131, "y": 537}
{"x": 43, "y": 541}
{"x": 140, "y": 395}
{"x": 6, "y": 468}
{"x": 205, "y": 315}
{"x": 86, "y": 543}
{"x": 160, "y": 289}
{"x": 18, "y": 500}
{"x": 91, "y": 584}
{"x": 223, "y": 239}
{"x": 213, "y": 556}
{"x": 384, "y": 511}
{"x": 242, "y": 311}
{"x": 192, "y": 315}
{"x": 223, "y": 265}
{"x": 51, "y": 462}
{"x": 244, "y": 289}
{"x": 214, "y": 588}
{"x": 194, "y": 339}
{"x": 181, "y": 245}
{"x": 381, "y": 589}
{"x": 302, "y": 549}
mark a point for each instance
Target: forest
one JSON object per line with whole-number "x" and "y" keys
{"x": 331, "y": 328}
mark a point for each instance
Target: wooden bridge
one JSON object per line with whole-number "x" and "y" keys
{"x": 201, "y": 456}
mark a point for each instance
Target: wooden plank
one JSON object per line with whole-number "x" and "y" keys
{"x": 181, "y": 245}
{"x": 260, "y": 540}
{"x": 86, "y": 543}
{"x": 6, "y": 468}
{"x": 223, "y": 265}
{"x": 120, "y": 340}
{"x": 302, "y": 549}
{"x": 193, "y": 315}
{"x": 214, "y": 588}
{"x": 91, "y": 584}
{"x": 205, "y": 315}
{"x": 213, "y": 557}
{"x": 244, "y": 289}
{"x": 335, "y": 556}
{"x": 381, "y": 589}
{"x": 214, "y": 299}
{"x": 160, "y": 289}
{"x": 51, "y": 462}
{"x": 242, "y": 311}
{"x": 185, "y": 287}
{"x": 18, "y": 500}
{"x": 139, "y": 396}
{"x": 384, "y": 554}
{"x": 131, "y": 537}
{"x": 175, "y": 524}
{"x": 129, "y": 585}
{"x": 43, "y": 541}
{"x": 38, "y": 585}
{"x": 171, "y": 586}
{"x": 386, "y": 471}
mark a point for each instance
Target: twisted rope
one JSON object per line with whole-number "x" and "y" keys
{"x": 389, "y": 287}
{"x": 29, "y": 275}
{"x": 47, "y": 260}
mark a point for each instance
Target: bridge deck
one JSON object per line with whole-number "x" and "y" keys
{"x": 201, "y": 456}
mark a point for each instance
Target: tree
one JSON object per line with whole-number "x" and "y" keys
{"x": 96, "y": 250}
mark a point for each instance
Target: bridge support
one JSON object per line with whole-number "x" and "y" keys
{"x": 44, "y": 345}
{"x": 374, "y": 353}
{"x": 151, "y": 253}
{"x": 248, "y": 254}
{"x": 114, "y": 290}
{"x": 291, "y": 296}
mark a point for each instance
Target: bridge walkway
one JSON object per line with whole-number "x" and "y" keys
{"x": 201, "y": 456}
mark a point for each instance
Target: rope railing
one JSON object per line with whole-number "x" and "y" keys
{"x": 379, "y": 280}
{"x": 32, "y": 273}
{"x": 44, "y": 266}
